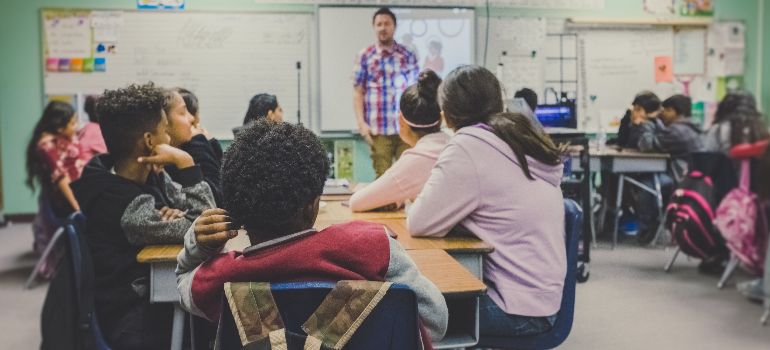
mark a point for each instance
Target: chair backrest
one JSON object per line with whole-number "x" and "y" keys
{"x": 84, "y": 278}
{"x": 573, "y": 221}
{"x": 392, "y": 324}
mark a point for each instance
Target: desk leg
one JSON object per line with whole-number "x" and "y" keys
{"x": 618, "y": 205}
{"x": 177, "y": 330}
{"x": 659, "y": 201}
{"x": 591, "y": 203}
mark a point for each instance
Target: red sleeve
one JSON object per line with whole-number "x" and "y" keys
{"x": 53, "y": 160}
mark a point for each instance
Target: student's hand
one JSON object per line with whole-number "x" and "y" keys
{"x": 213, "y": 228}
{"x": 200, "y": 130}
{"x": 168, "y": 214}
{"x": 366, "y": 133}
{"x": 165, "y": 154}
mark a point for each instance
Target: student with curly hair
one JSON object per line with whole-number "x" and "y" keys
{"x": 272, "y": 179}
{"x": 130, "y": 202}
{"x": 420, "y": 128}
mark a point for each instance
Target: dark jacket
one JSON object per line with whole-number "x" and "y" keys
{"x": 680, "y": 139}
{"x": 208, "y": 155}
{"x": 123, "y": 217}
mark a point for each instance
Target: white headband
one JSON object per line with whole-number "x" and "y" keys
{"x": 420, "y": 126}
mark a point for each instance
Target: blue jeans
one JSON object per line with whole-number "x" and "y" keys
{"x": 493, "y": 321}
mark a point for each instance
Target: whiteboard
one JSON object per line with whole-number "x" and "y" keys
{"x": 615, "y": 65}
{"x": 224, "y": 58}
{"x": 455, "y": 28}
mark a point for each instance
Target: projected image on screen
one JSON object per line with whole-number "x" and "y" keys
{"x": 439, "y": 38}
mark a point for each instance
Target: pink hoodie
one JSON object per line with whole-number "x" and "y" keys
{"x": 405, "y": 179}
{"x": 477, "y": 183}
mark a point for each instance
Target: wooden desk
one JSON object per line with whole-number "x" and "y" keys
{"x": 336, "y": 212}
{"x": 460, "y": 288}
{"x": 335, "y": 197}
{"x": 468, "y": 251}
{"x": 622, "y": 162}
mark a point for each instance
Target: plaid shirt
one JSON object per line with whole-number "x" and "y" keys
{"x": 384, "y": 73}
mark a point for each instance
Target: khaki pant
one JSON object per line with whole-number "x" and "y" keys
{"x": 385, "y": 149}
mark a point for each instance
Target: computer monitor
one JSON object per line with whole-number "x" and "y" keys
{"x": 557, "y": 116}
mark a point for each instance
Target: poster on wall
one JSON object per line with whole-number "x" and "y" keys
{"x": 659, "y": 7}
{"x": 160, "y": 4}
{"x": 696, "y": 7}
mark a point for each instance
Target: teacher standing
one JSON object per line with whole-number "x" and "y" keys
{"x": 381, "y": 74}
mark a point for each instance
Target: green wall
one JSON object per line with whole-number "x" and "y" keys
{"x": 21, "y": 87}
{"x": 765, "y": 58}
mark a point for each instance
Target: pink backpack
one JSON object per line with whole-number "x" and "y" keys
{"x": 742, "y": 225}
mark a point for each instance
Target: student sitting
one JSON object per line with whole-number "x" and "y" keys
{"x": 420, "y": 128}
{"x": 261, "y": 106}
{"x": 623, "y": 138}
{"x": 193, "y": 107}
{"x": 130, "y": 202}
{"x": 273, "y": 176}
{"x": 737, "y": 120}
{"x": 91, "y": 140}
{"x": 499, "y": 178}
{"x": 54, "y": 160}
{"x": 672, "y": 132}
{"x": 188, "y": 135}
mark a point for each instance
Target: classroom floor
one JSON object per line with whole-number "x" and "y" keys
{"x": 628, "y": 303}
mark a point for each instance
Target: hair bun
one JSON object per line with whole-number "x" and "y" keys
{"x": 427, "y": 84}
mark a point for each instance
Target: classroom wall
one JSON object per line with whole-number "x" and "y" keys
{"x": 765, "y": 4}
{"x": 21, "y": 89}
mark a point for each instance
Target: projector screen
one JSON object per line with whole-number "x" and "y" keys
{"x": 436, "y": 35}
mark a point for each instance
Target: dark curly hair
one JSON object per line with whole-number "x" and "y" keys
{"x": 270, "y": 173}
{"x": 126, "y": 114}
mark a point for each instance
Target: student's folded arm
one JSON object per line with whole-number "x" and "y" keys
{"x": 188, "y": 262}
{"x": 206, "y": 157}
{"x": 648, "y": 139}
{"x": 383, "y": 191}
{"x": 431, "y": 305}
{"x": 449, "y": 196}
{"x": 191, "y": 193}
{"x": 143, "y": 224}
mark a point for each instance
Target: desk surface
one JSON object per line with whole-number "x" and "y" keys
{"x": 444, "y": 271}
{"x": 335, "y": 211}
{"x": 626, "y": 153}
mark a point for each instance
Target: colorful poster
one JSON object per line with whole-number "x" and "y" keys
{"x": 664, "y": 72}
{"x": 696, "y": 8}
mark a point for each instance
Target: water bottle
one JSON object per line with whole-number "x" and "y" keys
{"x": 601, "y": 139}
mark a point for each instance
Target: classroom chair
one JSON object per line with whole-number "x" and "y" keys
{"x": 48, "y": 217}
{"x": 392, "y": 323}
{"x": 84, "y": 279}
{"x": 573, "y": 219}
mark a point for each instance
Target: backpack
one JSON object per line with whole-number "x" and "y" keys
{"x": 742, "y": 225}
{"x": 689, "y": 217}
